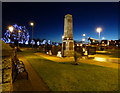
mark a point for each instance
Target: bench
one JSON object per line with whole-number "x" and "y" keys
{"x": 17, "y": 69}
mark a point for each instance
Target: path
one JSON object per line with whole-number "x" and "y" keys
{"x": 34, "y": 82}
{"x": 105, "y": 63}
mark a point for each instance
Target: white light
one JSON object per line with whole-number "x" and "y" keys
{"x": 83, "y": 39}
{"x": 47, "y": 53}
{"x": 103, "y": 38}
{"x": 26, "y": 42}
{"x": 19, "y": 31}
{"x": 62, "y": 37}
{"x": 11, "y": 28}
{"x": 84, "y": 34}
{"x": 77, "y": 44}
{"x": 38, "y": 43}
{"x": 32, "y": 24}
{"x": 99, "y": 29}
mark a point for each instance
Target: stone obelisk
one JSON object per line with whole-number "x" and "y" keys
{"x": 68, "y": 43}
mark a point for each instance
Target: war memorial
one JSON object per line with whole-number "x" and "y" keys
{"x": 42, "y": 52}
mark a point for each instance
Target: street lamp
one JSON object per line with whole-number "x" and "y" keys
{"x": 84, "y": 34}
{"x": 11, "y": 28}
{"x": 32, "y": 24}
{"x": 99, "y": 29}
{"x": 84, "y": 40}
{"x": 19, "y": 31}
{"x": 103, "y": 38}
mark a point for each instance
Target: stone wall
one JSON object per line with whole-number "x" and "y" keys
{"x": 6, "y": 68}
{"x": 6, "y": 74}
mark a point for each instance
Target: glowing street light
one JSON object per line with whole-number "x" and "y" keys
{"x": 84, "y": 34}
{"x": 103, "y": 38}
{"x": 19, "y": 31}
{"x": 32, "y": 24}
{"x": 99, "y": 29}
{"x": 11, "y": 28}
{"x": 62, "y": 37}
{"x": 83, "y": 39}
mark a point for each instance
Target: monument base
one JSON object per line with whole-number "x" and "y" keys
{"x": 68, "y": 53}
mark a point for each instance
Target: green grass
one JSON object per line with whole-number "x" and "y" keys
{"x": 68, "y": 77}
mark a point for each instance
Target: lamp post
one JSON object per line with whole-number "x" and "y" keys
{"x": 32, "y": 24}
{"x": 11, "y": 28}
{"x": 99, "y": 29}
{"x": 19, "y": 31}
{"x": 85, "y": 38}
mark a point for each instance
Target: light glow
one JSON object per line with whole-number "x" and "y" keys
{"x": 83, "y": 39}
{"x": 103, "y": 38}
{"x": 31, "y": 23}
{"x": 11, "y": 28}
{"x": 84, "y": 34}
{"x": 62, "y": 37}
{"x": 19, "y": 31}
{"x": 99, "y": 29}
{"x": 100, "y": 59}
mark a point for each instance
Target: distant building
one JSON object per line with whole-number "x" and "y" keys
{"x": 105, "y": 42}
{"x": 93, "y": 41}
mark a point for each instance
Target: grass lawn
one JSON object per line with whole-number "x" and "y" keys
{"x": 68, "y": 77}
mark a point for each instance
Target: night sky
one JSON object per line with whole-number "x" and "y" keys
{"x": 49, "y": 18}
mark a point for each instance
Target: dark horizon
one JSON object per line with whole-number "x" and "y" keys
{"x": 49, "y": 18}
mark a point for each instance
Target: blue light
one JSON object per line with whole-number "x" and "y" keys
{"x": 24, "y": 34}
{"x": 15, "y": 25}
{"x": 20, "y": 27}
{"x": 38, "y": 43}
{"x": 12, "y": 42}
{"x": 56, "y": 44}
{"x": 14, "y": 37}
{"x": 41, "y": 43}
{"x": 49, "y": 42}
{"x": 44, "y": 41}
{"x": 33, "y": 42}
{"x": 26, "y": 42}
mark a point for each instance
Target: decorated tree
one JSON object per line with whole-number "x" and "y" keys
{"x": 19, "y": 35}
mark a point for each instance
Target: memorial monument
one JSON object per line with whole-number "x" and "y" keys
{"x": 68, "y": 43}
